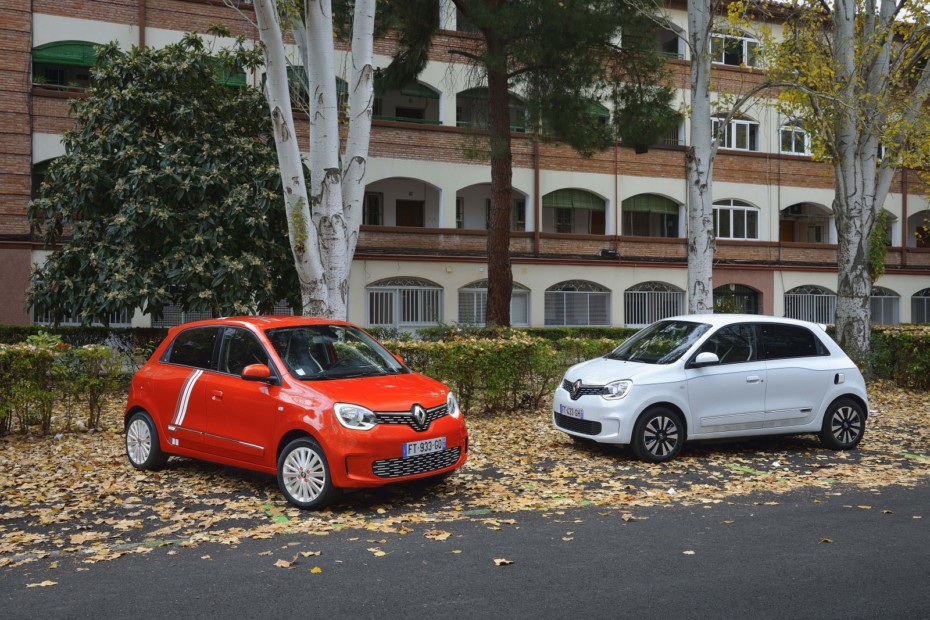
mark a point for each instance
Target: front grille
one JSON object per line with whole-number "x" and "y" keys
{"x": 421, "y": 464}
{"x": 584, "y": 390}
{"x": 586, "y": 427}
{"x": 406, "y": 417}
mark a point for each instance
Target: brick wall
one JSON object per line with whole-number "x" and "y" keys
{"x": 15, "y": 132}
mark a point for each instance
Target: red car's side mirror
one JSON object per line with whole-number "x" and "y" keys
{"x": 257, "y": 372}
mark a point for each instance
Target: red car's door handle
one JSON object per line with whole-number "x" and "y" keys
{"x": 217, "y": 395}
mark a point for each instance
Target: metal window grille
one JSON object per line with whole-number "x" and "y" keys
{"x": 813, "y": 307}
{"x": 885, "y": 309}
{"x": 643, "y": 308}
{"x": 574, "y": 308}
{"x": 404, "y": 306}
{"x": 920, "y": 307}
{"x": 117, "y": 319}
{"x": 173, "y": 315}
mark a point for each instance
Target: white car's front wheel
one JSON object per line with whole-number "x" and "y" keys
{"x": 658, "y": 435}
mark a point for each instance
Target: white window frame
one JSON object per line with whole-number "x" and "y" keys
{"x": 731, "y": 209}
{"x": 740, "y": 134}
{"x": 718, "y": 48}
{"x": 574, "y": 298}
{"x": 797, "y": 133}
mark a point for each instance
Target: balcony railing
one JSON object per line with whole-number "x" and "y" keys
{"x": 386, "y": 240}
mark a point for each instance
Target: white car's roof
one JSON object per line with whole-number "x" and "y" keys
{"x": 716, "y": 320}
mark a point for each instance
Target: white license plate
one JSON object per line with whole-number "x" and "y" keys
{"x": 572, "y": 412}
{"x": 416, "y": 448}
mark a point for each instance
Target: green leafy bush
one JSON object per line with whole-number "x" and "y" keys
{"x": 902, "y": 354}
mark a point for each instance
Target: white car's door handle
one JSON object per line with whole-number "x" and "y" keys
{"x": 753, "y": 379}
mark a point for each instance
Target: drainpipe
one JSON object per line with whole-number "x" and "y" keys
{"x": 903, "y": 217}
{"x": 617, "y": 199}
{"x": 143, "y": 7}
{"x": 537, "y": 201}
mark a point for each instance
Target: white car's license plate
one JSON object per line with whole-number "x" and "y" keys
{"x": 572, "y": 412}
{"x": 416, "y": 448}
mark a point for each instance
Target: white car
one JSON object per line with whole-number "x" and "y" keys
{"x": 713, "y": 376}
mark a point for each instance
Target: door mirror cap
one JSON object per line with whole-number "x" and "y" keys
{"x": 258, "y": 372}
{"x": 705, "y": 359}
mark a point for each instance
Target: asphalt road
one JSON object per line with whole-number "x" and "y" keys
{"x": 837, "y": 553}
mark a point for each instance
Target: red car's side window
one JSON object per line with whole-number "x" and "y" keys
{"x": 194, "y": 347}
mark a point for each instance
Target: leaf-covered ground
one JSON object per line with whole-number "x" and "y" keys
{"x": 76, "y": 496}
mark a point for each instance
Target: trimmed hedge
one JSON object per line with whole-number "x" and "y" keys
{"x": 901, "y": 353}
{"x": 514, "y": 370}
{"x": 47, "y": 380}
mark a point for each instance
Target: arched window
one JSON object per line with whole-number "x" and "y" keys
{"x": 574, "y": 211}
{"x": 414, "y": 103}
{"x": 811, "y": 303}
{"x": 404, "y": 303}
{"x": 736, "y": 298}
{"x": 885, "y": 306}
{"x": 473, "y": 302}
{"x": 650, "y": 215}
{"x": 649, "y": 302}
{"x": 735, "y": 219}
{"x": 63, "y": 65}
{"x": 741, "y": 134}
{"x": 577, "y": 302}
{"x": 471, "y": 110}
{"x": 920, "y": 306}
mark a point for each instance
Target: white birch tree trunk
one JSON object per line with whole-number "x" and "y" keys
{"x": 324, "y": 231}
{"x": 862, "y": 182}
{"x": 700, "y": 158}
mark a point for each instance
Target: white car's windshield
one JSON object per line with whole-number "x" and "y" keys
{"x": 660, "y": 343}
{"x": 331, "y": 352}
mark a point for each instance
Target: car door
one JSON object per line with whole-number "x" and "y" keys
{"x": 241, "y": 415}
{"x": 799, "y": 374}
{"x": 180, "y": 386}
{"x": 728, "y": 397}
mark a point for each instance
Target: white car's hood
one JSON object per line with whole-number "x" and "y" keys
{"x": 601, "y": 371}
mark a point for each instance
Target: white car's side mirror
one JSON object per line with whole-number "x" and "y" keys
{"x": 705, "y": 359}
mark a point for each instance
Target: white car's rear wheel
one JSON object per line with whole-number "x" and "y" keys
{"x": 843, "y": 425}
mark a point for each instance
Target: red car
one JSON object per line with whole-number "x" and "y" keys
{"x": 319, "y": 403}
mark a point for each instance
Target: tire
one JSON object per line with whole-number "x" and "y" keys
{"x": 303, "y": 474}
{"x": 142, "y": 447}
{"x": 843, "y": 424}
{"x": 658, "y": 435}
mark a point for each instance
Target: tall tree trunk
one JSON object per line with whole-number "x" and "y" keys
{"x": 302, "y": 235}
{"x": 500, "y": 276}
{"x": 700, "y": 158}
{"x": 324, "y": 221}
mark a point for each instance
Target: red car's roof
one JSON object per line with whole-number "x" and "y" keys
{"x": 262, "y": 322}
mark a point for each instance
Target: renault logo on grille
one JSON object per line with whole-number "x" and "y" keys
{"x": 576, "y": 389}
{"x": 419, "y": 415}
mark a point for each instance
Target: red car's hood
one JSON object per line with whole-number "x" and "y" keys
{"x": 383, "y": 392}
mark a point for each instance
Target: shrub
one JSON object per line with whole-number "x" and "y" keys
{"x": 901, "y": 353}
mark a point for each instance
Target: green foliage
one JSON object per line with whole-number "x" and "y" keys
{"x": 563, "y": 55}
{"x": 170, "y": 187}
{"x": 902, "y": 354}
{"x": 46, "y": 378}
{"x": 505, "y": 373}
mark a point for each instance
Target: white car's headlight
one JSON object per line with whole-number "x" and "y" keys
{"x": 355, "y": 417}
{"x": 452, "y": 406}
{"x": 617, "y": 389}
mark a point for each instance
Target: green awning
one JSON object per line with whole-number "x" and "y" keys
{"x": 597, "y": 109}
{"x": 650, "y": 203}
{"x": 572, "y": 199}
{"x": 71, "y": 53}
{"x": 419, "y": 90}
